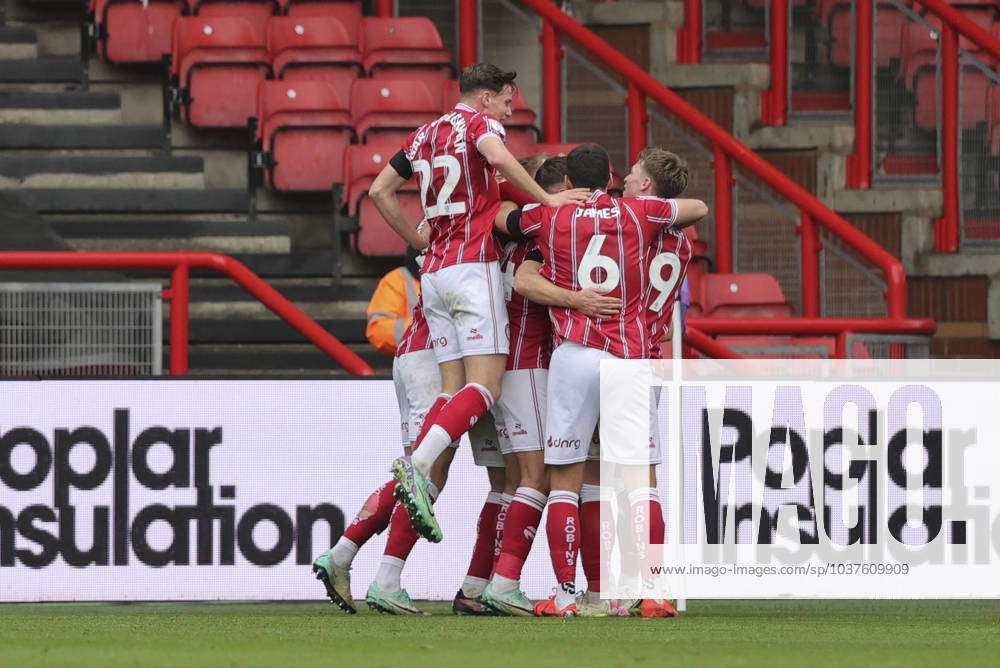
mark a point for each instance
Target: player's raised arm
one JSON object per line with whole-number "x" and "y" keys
{"x": 503, "y": 161}
{"x": 689, "y": 212}
{"x": 529, "y": 282}
{"x": 383, "y": 195}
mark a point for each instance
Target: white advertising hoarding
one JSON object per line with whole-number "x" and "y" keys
{"x": 209, "y": 489}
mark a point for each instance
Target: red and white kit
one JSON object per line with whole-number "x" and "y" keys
{"x": 460, "y": 282}
{"x": 602, "y": 244}
{"x": 417, "y": 380}
{"x": 520, "y": 411}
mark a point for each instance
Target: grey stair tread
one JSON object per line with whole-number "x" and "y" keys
{"x": 41, "y": 70}
{"x": 235, "y": 330}
{"x": 70, "y": 100}
{"x": 17, "y": 35}
{"x": 249, "y": 357}
{"x": 332, "y": 292}
{"x": 179, "y": 200}
{"x": 17, "y": 135}
{"x": 153, "y": 229}
{"x": 22, "y": 166}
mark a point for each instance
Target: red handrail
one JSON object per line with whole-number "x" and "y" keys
{"x": 893, "y": 269}
{"x": 947, "y": 235}
{"x": 180, "y": 265}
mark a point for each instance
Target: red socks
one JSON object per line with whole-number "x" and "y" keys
{"x": 374, "y": 516}
{"x": 402, "y": 537}
{"x": 598, "y": 540}
{"x": 481, "y": 565}
{"x": 454, "y": 419}
{"x": 563, "y": 530}
{"x": 431, "y": 416}
{"x": 521, "y": 525}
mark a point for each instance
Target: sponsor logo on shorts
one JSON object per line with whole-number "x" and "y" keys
{"x": 474, "y": 335}
{"x": 563, "y": 443}
{"x": 519, "y": 430}
{"x": 488, "y": 446}
{"x": 502, "y": 432}
{"x": 440, "y": 341}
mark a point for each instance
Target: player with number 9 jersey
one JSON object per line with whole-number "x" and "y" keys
{"x": 601, "y": 244}
{"x": 669, "y": 256}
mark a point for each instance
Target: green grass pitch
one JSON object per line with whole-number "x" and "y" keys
{"x": 712, "y": 633}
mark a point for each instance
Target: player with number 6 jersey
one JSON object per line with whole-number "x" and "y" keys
{"x": 602, "y": 244}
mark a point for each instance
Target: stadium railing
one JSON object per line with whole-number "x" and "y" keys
{"x": 948, "y": 233}
{"x": 180, "y": 266}
{"x": 641, "y": 85}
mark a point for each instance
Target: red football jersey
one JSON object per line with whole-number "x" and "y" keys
{"x": 602, "y": 244}
{"x": 669, "y": 256}
{"x": 458, "y": 188}
{"x": 417, "y": 335}
{"x": 530, "y": 331}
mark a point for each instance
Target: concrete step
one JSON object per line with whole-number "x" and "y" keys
{"x": 18, "y": 42}
{"x": 268, "y": 237}
{"x": 275, "y": 359}
{"x": 70, "y": 137}
{"x": 47, "y": 108}
{"x": 17, "y": 69}
{"x": 120, "y": 200}
{"x": 102, "y": 172}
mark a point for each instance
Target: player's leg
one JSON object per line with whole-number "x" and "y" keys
{"x": 386, "y": 593}
{"x": 573, "y": 405}
{"x": 465, "y": 304}
{"x": 416, "y": 385}
{"x": 523, "y": 408}
{"x": 598, "y": 541}
{"x": 485, "y": 452}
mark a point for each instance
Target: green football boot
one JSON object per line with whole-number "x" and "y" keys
{"x": 391, "y": 603}
{"x": 412, "y": 493}
{"x": 337, "y": 581}
{"x": 509, "y": 604}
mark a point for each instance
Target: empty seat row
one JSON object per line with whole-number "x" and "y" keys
{"x": 303, "y": 118}
{"x": 300, "y": 49}
{"x": 898, "y": 36}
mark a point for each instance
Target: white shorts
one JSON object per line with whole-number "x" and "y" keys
{"x": 573, "y": 402}
{"x": 418, "y": 383}
{"x": 465, "y": 310}
{"x": 520, "y": 410}
{"x": 483, "y": 437}
{"x": 655, "y": 427}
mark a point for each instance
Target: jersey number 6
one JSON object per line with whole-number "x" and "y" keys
{"x": 592, "y": 259}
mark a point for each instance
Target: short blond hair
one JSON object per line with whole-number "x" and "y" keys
{"x": 667, "y": 170}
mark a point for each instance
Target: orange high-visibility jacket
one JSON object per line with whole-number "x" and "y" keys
{"x": 391, "y": 309}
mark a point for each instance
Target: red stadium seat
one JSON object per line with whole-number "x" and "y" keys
{"x": 218, "y": 63}
{"x": 973, "y": 89}
{"x": 391, "y": 109}
{"x": 920, "y": 43}
{"x": 130, "y": 31}
{"x": 743, "y": 296}
{"x": 314, "y": 49}
{"x": 361, "y": 165}
{"x": 405, "y": 48}
{"x": 348, "y": 12}
{"x": 889, "y": 22}
{"x": 257, "y": 12}
{"x": 993, "y": 117}
{"x": 303, "y": 130}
